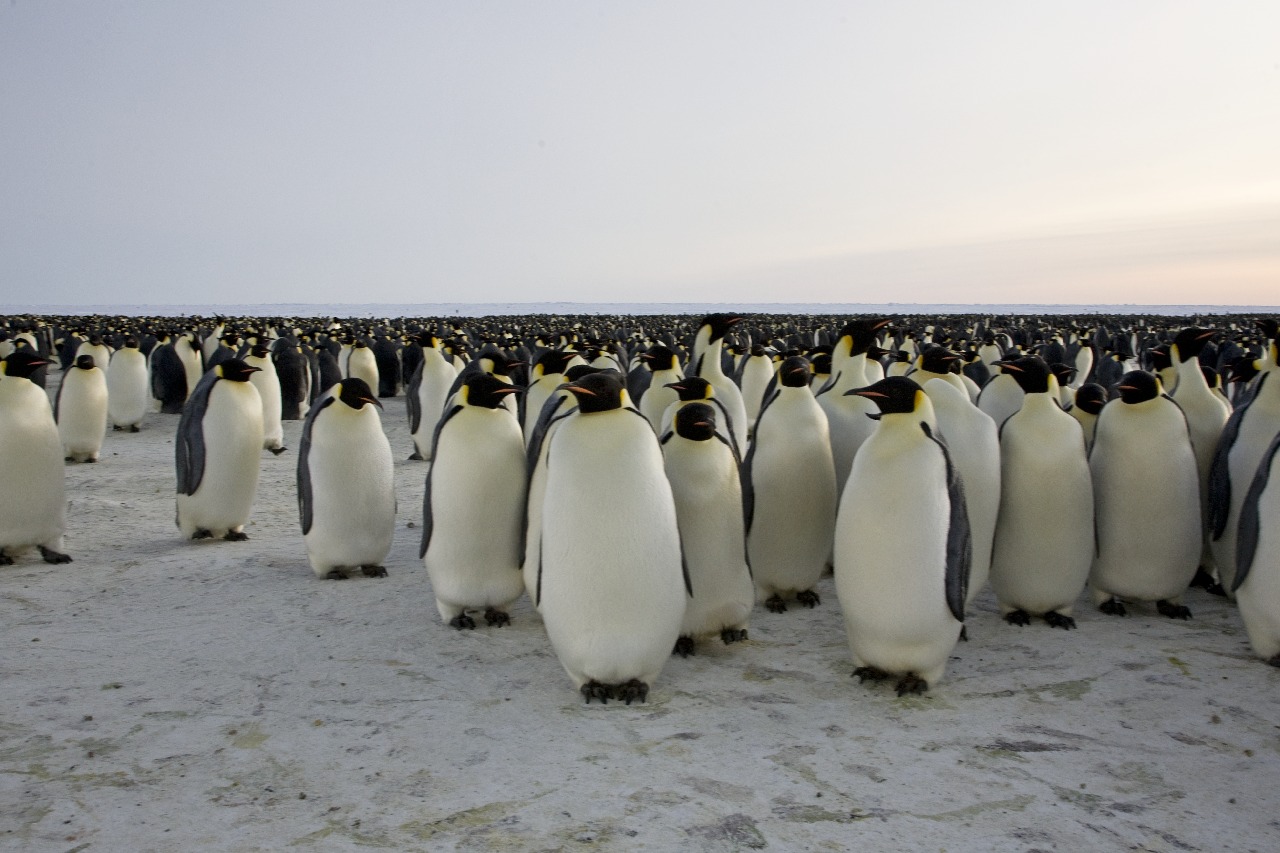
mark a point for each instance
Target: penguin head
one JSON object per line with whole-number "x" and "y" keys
{"x": 692, "y": 388}
{"x": 862, "y": 334}
{"x": 1160, "y": 358}
{"x": 1243, "y": 369}
{"x": 1030, "y": 372}
{"x": 486, "y": 391}
{"x": 1138, "y": 386}
{"x": 696, "y": 422}
{"x": 719, "y": 324}
{"x": 235, "y": 370}
{"x": 554, "y": 361}
{"x": 1091, "y": 397}
{"x": 821, "y": 363}
{"x": 260, "y": 349}
{"x": 356, "y": 393}
{"x": 598, "y": 392}
{"x": 131, "y": 342}
{"x": 939, "y": 359}
{"x": 1188, "y": 343}
{"x": 1270, "y": 328}
{"x": 795, "y": 372}
{"x": 573, "y": 374}
{"x": 893, "y": 395}
{"x": 659, "y": 357}
{"x": 1064, "y": 373}
{"x": 22, "y": 362}
{"x": 85, "y": 362}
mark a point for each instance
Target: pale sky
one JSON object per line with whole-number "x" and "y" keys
{"x": 174, "y": 152}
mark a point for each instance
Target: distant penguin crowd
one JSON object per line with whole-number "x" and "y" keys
{"x": 648, "y": 481}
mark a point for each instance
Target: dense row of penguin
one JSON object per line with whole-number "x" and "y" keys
{"x": 647, "y": 481}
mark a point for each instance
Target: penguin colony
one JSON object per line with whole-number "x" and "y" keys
{"x": 647, "y": 482}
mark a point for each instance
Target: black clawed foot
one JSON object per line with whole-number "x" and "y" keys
{"x": 596, "y": 690}
{"x": 415, "y": 457}
{"x": 1057, "y": 620}
{"x": 201, "y": 534}
{"x": 733, "y": 635}
{"x": 495, "y": 618}
{"x": 92, "y": 460}
{"x": 775, "y": 604}
{"x": 1018, "y": 617}
{"x": 1274, "y": 660}
{"x": 277, "y": 450}
{"x": 236, "y": 536}
{"x": 135, "y": 428}
{"x": 52, "y": 556}
{"x": 684, "y": 647}
{"x": 634, "y": 690}
{"x": 1216, "y": 589}
{"x": 808, "y": 598}
{"x": 1202, "y": 580}
{"x": 117, "y": 428}
{"x": 68, "y": 459}
{"x": 869, "y": 673}
{"x": 964, "y": 633}
{"x": 373, "y": 571}
{"x": 6, "y": 560}
{"x": 1173, "y": 611}
{"x": 463, "y": 621}
{"x": 335, "y": 575}
{"x": 911, "y": 683}
{"x": 1113, "y": 607}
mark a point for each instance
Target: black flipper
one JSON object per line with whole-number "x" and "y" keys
{"x": 1250, "y": 522}
{"x": 959, "y": 537}
{"x": 426, "y": 495}
{"x": 1220, "y": 472}
{"x": 549, "y": 415}
{"x": 305, "y": 503}
{"x": 189, "y": 444}
{"x": 411, "y": 400}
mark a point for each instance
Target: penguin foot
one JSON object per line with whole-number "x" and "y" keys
{"x": 495, "y": 618}
{"x": 1216, "y": 589}
{"x": 911, "y": 683}
{"x": 869, "y": 673}
{"x": 236, "y": 536}
{"x": 462, "y": 621}
{"x": 277, "y": 450}
{"x": 135, "y": 428}
{"x": 117, "y": 428}
{"x": 808, "y": 598}
{"x": 1113, "y": 607}
{"x": 964, "y": 633}
{"x": 684, "y": 647}
{"x": 6, "y": 560}
{"x": 634, "y": 690}
{"x": 1173, "y": 611}
{"x": 415, "y": 456}
{"x": 91, "y": 459}
{"x": 68, "y": 459}
{"x": 775, "y": 604}
{"x": 1018, "y": 617}
{"x": 1274, "y": 660}
{"x": 201, "y": 534}
{"x": 595, "y": 690}
{"x": 733, "y": 635}
{"x": 335, "y": 575}
{"x": 373, "y": 571}
{"x": 1057, "y": 620}
{"x": 1202, "y": 580}
{"x": 52, "y": 556}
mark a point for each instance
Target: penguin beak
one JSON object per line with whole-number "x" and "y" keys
{"x": 674, "y": 385}
{"x": 512, "y": 389}
{"x": 373, "y": 400}
{"x": 858, "y": 392}
{"x": 576, "y": 389}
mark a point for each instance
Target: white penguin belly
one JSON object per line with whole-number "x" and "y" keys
{"x": 233, "y": 441}
{"x": 353, "y": 502}
{"x": 33, "y": 501}
{"x": 127, "y": 388}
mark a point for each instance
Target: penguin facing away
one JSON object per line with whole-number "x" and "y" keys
{"x": 268, "y": 384}
{"x": 127, "y": 387}
{"x": 81, "y": 410}
{"x": 707, "y": 349}
{"x": 216, "y": 452}
{"x": 472, "y": 509}
{"x": 346, "y": 484}
{"x": 902, "y": 587}
{"x": 426, "y": 394}
{"x": 32, "y": 514}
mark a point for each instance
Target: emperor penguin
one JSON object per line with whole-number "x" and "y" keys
{"x": 902, "y": 547}
{"x": 127, "y": 387}
{"x": 711, "y": 511}
{"x": 187, "y": 348}
{"x": 938, "y": 362}
{"x": 1089, "y": 400}
{"x": 664, "y": 364}
{"x": 1000, "y": 397}
{"x": 1146, "y": 501}
{"x": 268, "y": 384}
{"x": 426, "y": 394}
{"x": 792, "y": 477}
{"x": 612, "y": 589}
{"x": 974, "y": 443}
{"x": 33, "y": 503}
{"x": 168, "y": 378}
{"x": 847, "y": 414}
{"x": 81, "y": 410}
{"x": 707, "y": 347}
{"x": 346, "y": 484}
{"x": 361, "y": 363}
{"x": 472, "y": 508}
{"x": 1256, "y": 583}
{"x": 1044, "y": 539}
{"x": 754, "y": 376}
{"x": 96, "y": 348}
{"x": 217, "y": 447}
{"x": 546, "y": 375}
{"x": 293, "y": 372}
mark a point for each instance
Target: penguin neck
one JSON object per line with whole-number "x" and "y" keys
{"x": 710, "y": 364}
{"x": 1191, "y": 378}
{"x": 852, "y": 375}
{"x": 1042, "y": 401}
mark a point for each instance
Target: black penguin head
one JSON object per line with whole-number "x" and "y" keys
{"x": 893, "y": 395}
{"x": 659, "y": 357}
{"x": 794, "y": 372}
{"x": 1190, "y": 341}
{"x": 131, "y": 343}
{"x": 555, "y": 360}
{"x": 821, "y": 363}
{"x": 938, "y": 359}
{"x": 1063, "y": 372}
{"x": 1270, "y": 328}
{"x": 720, "y": 324}
{"x": 758, "y": 351}
{"x": 692, "y": 388}
{"x": 356, "y": 393}
{"x": 22, "y": 362}
{"x": 696, "y": 422}
{"x": 1091, "y": 397}
{"x": 862, "y": 333}
{"x": 1138, "y": 386}
{"x": 236, "y": 370}
{"x": 260, "y": 349}
{"x": 1030, "y": 372}
{"x": 85, "y": 362}
{"x": 598, "y": 392}
{"x": 1243, "y": 369}
{"x": 1160, "y": 358}
{"x": 486, "y": 390}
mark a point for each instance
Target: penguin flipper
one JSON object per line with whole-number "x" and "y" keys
{"x": 305, "y": 503}
{"x": 959, "y": 537}
{"x": 546, "y": 419}
{"x": 189, "y": 450}
{"x": 1219, "y": 496}
{"x": 427, "y": 519}
{"x": 1250, "y": 522}
{"x": 411, "y": 399}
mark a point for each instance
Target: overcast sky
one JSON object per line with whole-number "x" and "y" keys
{"x": 230, "y": 152}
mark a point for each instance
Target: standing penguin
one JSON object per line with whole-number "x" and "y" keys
{"x": 1256, "y": 584}
{"x": 361, "y": 363}
{"x": 217, "y": 447}
{"x": 168, "y": 378}
{"x": 753, "y": 377}
{"x": 793, "y": 480}
{"x": 293, "y": 371}
{"x": 847, "y": 414}
{"x": 547, "y": 374}
{"x": 707, "y": 486}
{"x": 1146, "y": 501}
{"x": 1044, "y": 532}
{"x": 901, "y": 585}
{"x": 1089, "y": 400}
{"x": 33, "y": 501}
{"x": 81, "y": 410}
{"x": 472, "y": 509}
{"x": 665, "y": 366}
{"x": 612, "y": 589}
{"x": 268, "y": 384}
{"x": 426, "y": 394}
{"x": 127, "y": 387}
{"x": 707, "y": 349}
{"x": 346, "y": 484}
